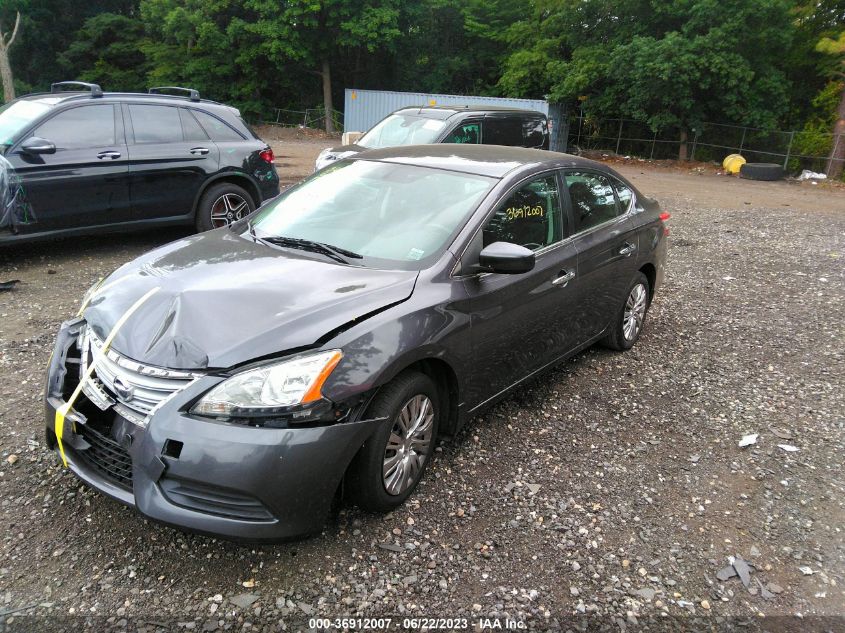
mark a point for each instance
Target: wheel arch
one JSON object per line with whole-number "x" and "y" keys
{"x": 650, "y": 273}
{"x": 241, "y": 180}
{"x": 445, "y": 378}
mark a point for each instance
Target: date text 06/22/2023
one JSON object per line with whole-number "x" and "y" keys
{"x": 386, "y": 623}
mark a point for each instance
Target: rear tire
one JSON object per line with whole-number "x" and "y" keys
{"x": 761, "y": 171}
{"x": 629, "y": 320}
{"x": 393, "y": 459}
{"x": 221, "y": 205}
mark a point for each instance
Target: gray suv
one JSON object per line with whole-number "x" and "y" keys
{"x": 469, "y": 125}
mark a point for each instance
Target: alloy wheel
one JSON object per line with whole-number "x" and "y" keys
{"x": 409, "y": 444}
{"x": 635, "y": 306}
{"x": 228, "y": 208}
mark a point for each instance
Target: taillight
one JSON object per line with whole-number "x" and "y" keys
{"x": 267, "y": 155}
{"x": 663, "y": 217}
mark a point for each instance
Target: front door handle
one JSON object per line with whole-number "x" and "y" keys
{"x": 563, "y": 278}
{"x": 109, "y": 154}
{"x": 199, "y": 151}
{"x": 627, "y": 249}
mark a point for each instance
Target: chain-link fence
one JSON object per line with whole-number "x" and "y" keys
{"x": 708, "y": 142}
{"x": 311, "y": 118}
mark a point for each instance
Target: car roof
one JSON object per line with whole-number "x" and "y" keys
{"x": 56, "y": 98}
{"x": 484, "y": 160}
{"x": 447, "y": 111}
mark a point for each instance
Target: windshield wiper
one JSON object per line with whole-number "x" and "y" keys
{"x": 335, "y": 252}
{"x": 308, "y": 245}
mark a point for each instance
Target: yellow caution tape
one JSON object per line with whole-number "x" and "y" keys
{"x": 62, "y": 411}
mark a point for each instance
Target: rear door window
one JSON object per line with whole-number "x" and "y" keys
{"x": 625, "y": 195}
{"x": 592, "y": 199}
{"x": 190, "y": 128}
{"x": 156, "y": 124}
{"x": 84, "y": 126}
{"x": 216, "y": 129}
{"x": 503, "y": 131}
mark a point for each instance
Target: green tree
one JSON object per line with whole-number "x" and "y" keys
{"x": 207, "y": 45}
{"x": 312, "y": 33}
{"x": 453, "y": 46}
{"x": 672, "y": 64}
{"x": 107, "y": 51}
{"x": 48, "y": 28}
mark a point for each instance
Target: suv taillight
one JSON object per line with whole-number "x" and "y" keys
{"x": 267, "y": 155}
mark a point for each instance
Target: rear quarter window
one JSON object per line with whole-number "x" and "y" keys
{"x": 217, "y": 129}
{"x": 533, "y": 131}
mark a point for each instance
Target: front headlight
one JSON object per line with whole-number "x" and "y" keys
{"x": 271, "y": 389}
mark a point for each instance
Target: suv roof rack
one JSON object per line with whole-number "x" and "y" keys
{"x": 193, "y": 95}
{"x": 96, "y": 91}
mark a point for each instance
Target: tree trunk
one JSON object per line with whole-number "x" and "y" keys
{"x": 327, "y": 96}
{"x": 682, "y": 149}
{"x": 6, "y": 74}
{"x": 836, "y": 162}
{"x": 5, "y": 67}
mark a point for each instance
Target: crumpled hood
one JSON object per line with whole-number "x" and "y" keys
{"x": 224, "y": 299}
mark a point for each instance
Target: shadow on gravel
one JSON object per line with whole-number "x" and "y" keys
{"x": 90, "y": 245}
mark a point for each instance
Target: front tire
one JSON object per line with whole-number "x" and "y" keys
{"x": 221, "y": 205}
{"x": 392, "y": 461}
{"x": 629, "y": 321}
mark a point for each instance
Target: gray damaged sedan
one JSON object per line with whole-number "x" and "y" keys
{"x": 230, "y": 382}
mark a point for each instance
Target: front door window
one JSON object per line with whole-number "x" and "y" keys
{"x": 529, "y": 217}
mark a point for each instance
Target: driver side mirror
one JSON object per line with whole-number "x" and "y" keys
{"x": 37, "y": 145}
{"x": 506, "y": 258}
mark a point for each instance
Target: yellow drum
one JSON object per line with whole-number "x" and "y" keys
{"x": 732, "y": 163}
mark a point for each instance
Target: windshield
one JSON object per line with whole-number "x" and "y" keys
{"x": 394, "y": 216}
{"x": 17, "y": 115}
{"x": 402, "y": 129}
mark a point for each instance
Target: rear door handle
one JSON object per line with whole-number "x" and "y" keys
{"x": 199, "y": 151}
{"x": 563, "y": 278}
{"x": 627, "y": 249}
{"x": 109, "y": 154}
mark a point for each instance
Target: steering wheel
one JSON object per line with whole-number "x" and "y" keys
{"x": 533, "y": 246}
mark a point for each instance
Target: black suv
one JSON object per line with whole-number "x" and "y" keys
{"x": 490, "y": 125}
{"x": 78, "y": 159}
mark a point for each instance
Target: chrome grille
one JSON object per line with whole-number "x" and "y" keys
{"x": 133, "y": 389}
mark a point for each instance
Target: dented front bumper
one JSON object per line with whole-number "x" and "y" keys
{"x": 223, "y": 479}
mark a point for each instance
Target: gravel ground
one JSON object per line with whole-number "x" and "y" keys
{"x": 611, "y": 489}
